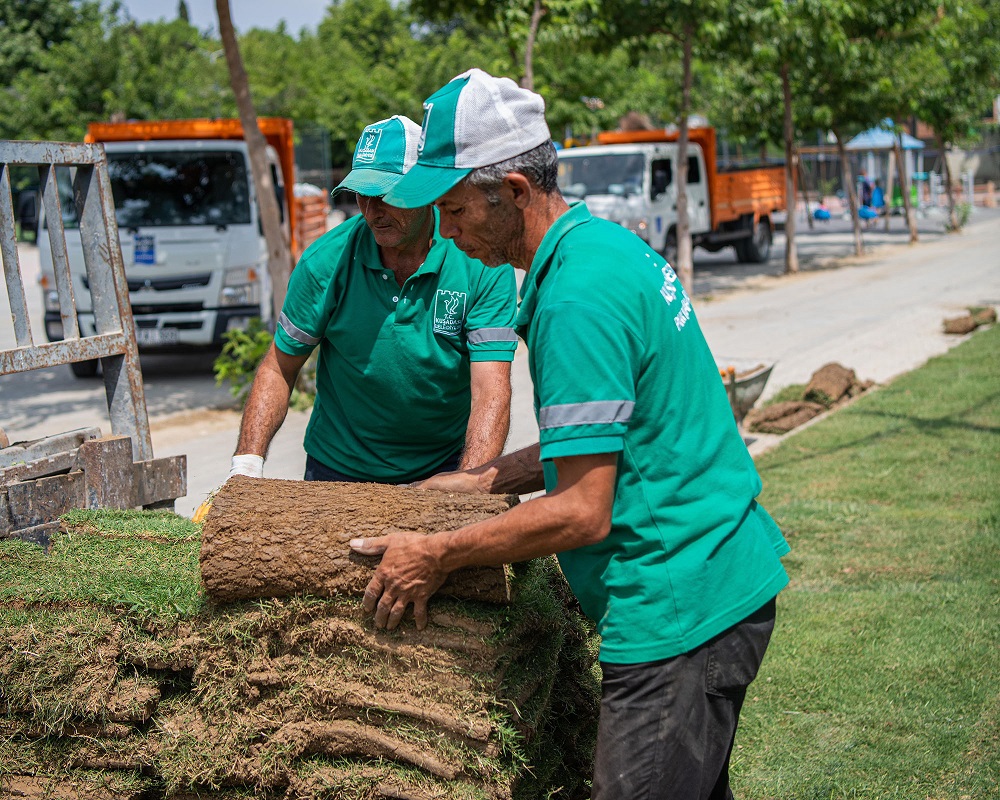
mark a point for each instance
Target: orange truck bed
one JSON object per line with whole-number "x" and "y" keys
{"x": 757, "y": 191}
{"x": 276, "y": 130}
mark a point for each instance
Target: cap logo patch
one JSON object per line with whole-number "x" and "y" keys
{"x": 428, "y": 107}
{"x": 368, "y": 145}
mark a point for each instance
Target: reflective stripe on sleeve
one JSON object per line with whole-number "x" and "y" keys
{"x": 599, "y": 412}
{"x": 483, "y": 335}
{"x": 296, "y": 333}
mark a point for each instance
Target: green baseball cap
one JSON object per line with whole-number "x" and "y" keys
{"x": 385, "y": 151}
{"x": 475, "y": 120}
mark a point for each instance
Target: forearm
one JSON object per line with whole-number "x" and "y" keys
{"x": 489, "y": 423}
{"x": 538, "y": 527}
{"x": 266, "y": 407}
{"x": 519, "y": 472}
{"x": 489, "y": 413}
{"x": 569, "y": 517}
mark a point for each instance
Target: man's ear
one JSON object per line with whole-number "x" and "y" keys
{"x": 520, "y": 187}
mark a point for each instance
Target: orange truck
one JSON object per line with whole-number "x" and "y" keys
{"x": 189, "y": 227}
{"x": 629, "y": 178}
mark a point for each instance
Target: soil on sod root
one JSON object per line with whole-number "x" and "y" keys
{"x": 107, "y": 690}
{"x": 270, "y": 538}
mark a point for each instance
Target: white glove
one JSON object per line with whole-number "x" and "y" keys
{"x": 250, "y": 465}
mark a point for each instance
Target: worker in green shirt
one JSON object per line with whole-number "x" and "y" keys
{"x": 415, "y": 340}
{"x": 650, "y": 491}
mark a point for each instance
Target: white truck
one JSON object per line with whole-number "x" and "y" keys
{"x": 629, "y": 178}
{"x": 194, "y": 253}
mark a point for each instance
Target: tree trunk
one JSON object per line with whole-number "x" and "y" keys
{"x": 791, "y": 169}
{"x": 889, "y": 179}
{"x": 904, "y": 187}
{"x": 802, "y": 188}
{"x": 685, "y": 259}
{"x": 952, "y": 213}
{"x": 852, "y": 197}
{"x": 528, "y": 82}
{"x": 279, "y": 262}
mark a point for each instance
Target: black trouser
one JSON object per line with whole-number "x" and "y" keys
{"x": 667, "y": 727}
{"x": 318, "y": 471}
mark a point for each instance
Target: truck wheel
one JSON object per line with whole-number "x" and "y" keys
{"x": 757, "y": 248}
{"x": 85, "y": 369}
{"x": 669, "y": 251}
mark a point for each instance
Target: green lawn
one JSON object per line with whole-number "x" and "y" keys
{"x": 882, "y": 679}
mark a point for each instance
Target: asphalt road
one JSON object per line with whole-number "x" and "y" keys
{"x": 879, "y": 315}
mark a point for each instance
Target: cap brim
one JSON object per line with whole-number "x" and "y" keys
{"x": 369, "y": 182}
{"x": 423, "y": 184}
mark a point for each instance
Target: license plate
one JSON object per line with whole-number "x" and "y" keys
{"x": 145, "y": 249}
{"x": 145, "y": 337}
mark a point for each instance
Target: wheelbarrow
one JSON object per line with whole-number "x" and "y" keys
{"x": 744, "y": 380}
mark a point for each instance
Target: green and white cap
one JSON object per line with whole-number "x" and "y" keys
{"x": 474, "y": 121}
{"x": 385, "y": 151}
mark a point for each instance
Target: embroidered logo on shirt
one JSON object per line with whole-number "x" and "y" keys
{"x": 368, "y": 146}
{"x": 449, "y": 312}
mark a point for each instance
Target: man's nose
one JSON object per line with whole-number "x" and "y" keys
{"x": 447, "y": 228}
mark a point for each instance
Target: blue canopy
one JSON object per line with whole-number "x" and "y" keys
{"x": 881, "y": 139}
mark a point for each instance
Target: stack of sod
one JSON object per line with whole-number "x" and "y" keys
{"x": 120, "y": 679}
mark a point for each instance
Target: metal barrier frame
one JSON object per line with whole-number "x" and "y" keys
{"x": 114, "y": 344}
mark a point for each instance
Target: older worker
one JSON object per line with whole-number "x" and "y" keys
{"x": 415, "y": 339}
{"x": 650, "y": 501}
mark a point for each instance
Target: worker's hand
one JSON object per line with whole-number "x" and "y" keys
{"x": 409, "y": 573}
{"x": 466, "y": 481}
{"x": 245, "y": 464}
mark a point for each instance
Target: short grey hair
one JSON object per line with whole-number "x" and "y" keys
{"x": 540, "y": 165}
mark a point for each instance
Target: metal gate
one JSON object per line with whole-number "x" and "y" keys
{"x": 146, "y": 482}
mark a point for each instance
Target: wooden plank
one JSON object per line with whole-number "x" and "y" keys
{"x": 107, "y": 469}
{"x": 36, "y": 502}
{"x": 159, "y": 480}
{"x": 39, "y": 468}
{"x": 24, "y": 452}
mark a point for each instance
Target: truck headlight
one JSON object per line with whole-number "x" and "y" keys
{"x": 240, "y": 287}
{"x": 638, "y": 225}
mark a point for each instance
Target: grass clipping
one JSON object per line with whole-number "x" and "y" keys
{"x": 120, "y": 679}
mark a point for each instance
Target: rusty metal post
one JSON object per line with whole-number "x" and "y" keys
{"x": 114, "y": 343}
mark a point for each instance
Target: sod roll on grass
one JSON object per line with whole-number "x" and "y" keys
{"x": 121, "y": 678}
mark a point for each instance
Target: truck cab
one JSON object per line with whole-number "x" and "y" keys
{"x": 634, "y": 185}
{"x": 191, "y": 241}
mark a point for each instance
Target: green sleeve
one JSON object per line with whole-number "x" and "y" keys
{"x": 489, "y": 325}
{"x": 304, "y": 315}
{"x": 586, "y": 365}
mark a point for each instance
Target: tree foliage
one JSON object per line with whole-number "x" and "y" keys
{"x": 65, "y": 63}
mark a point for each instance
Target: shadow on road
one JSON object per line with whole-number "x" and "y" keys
{"x": 826, "y": 245}
{"x": 52, "y": 400}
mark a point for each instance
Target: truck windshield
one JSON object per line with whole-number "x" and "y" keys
{"x": 610, "y": 173}
{"x": 158, "y": 188}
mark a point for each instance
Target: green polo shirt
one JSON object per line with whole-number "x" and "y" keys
{"x": 392, "y": 381}
{"x": 620, "y": 365}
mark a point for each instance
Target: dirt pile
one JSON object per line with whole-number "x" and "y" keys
{"x": 141, "y": 687}
{"x": 829, "y": 387}
{"x": 967, "y": 323}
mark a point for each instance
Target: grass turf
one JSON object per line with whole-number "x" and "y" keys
{"x": 881, "y": 679}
